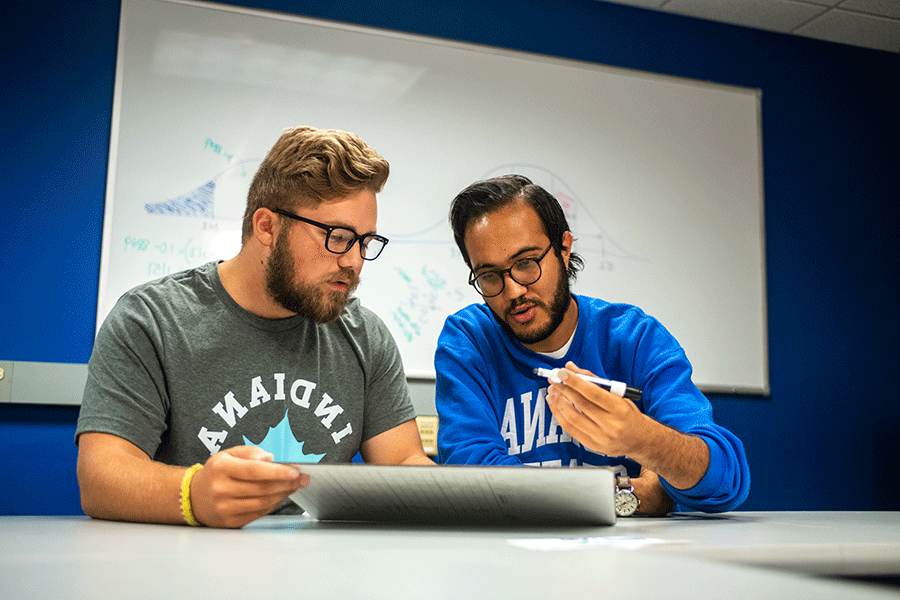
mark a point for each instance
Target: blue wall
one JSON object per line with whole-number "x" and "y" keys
{"x": 825, "y": 437}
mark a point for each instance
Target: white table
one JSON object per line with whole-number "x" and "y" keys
{"x": 685, "y": 556}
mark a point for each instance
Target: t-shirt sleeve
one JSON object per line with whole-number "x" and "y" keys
{"x": 125, "y": 392}
{"x": 388, "y": 403}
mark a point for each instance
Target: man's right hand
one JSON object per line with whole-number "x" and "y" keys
{"x": 119, "y": 481}
{"x": 241, "y": 484}
{"x": 655, "y": 502}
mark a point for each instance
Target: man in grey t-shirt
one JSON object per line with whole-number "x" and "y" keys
{"x": 201, "y": 382}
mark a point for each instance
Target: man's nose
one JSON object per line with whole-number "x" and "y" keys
{"x": 352, "y": 258}
{"x": 512, "y": 289}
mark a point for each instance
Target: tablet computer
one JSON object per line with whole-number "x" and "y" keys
{"x": 458, "y": 494}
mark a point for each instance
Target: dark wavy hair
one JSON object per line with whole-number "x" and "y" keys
{"x": 489, "y": 195}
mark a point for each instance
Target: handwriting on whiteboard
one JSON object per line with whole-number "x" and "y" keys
{"x": 426, "y": 295}
{"x": 167, "y": 256}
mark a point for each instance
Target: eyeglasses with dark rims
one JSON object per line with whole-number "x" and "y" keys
{"x": 339, "y": 240}
{"x": 524, "y": 271}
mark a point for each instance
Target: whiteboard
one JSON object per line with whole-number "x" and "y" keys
{"x": 660, "y": 177}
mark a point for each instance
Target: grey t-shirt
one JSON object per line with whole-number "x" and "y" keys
{"x": 182, "y": 371}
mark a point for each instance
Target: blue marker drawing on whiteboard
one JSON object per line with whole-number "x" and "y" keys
{"x": 616, "y": 387}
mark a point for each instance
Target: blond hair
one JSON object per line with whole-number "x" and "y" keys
{"x": 308, "y": 166}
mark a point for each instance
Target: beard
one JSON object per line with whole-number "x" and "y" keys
{"x": 305, "y": 299}
{"x": 556, "y": 310}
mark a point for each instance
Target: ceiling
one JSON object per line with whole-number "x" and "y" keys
{"x": 866, "y": 23}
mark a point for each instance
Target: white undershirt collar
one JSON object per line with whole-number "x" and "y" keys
{"x": 557, "y": 354}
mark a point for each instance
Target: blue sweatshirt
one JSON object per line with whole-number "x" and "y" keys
{"x": 492, "y": 408}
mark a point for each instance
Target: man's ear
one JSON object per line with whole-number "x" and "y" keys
{"x": 265, "y": 227}
{"x": 566, "y": 251}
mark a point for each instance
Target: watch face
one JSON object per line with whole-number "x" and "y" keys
{"x": 626, "y": 503}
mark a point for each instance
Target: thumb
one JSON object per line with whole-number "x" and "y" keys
{"x": 570, "y": 366}
{"x": 250, "y": 453}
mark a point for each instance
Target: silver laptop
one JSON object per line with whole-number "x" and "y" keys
{"x": 458, "y": 494}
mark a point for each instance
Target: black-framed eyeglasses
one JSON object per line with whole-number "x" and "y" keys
{"x": 524, "y": 271}
{"x": 339, "y": 240}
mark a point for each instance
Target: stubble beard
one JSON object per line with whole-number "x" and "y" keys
{"x": 556, "y": 310}
{"x": 305, "y": 299}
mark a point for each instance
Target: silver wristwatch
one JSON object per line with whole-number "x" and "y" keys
{"x": 626, "y": 502}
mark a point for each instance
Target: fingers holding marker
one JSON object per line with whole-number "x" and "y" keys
{"x": 566, "y": 376}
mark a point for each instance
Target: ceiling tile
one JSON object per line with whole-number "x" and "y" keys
{"x": 883, "y": 8}
{"x": 854, "y": 28}
{"x": 641, "y": 3}
{"x": 866, "y": 23}
{"x": 774, "y": 15}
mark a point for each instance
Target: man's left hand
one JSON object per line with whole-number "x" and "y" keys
{"x": 600, "y": 420}
{"x": 609, "y": 424}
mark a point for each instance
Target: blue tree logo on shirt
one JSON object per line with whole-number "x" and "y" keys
{"x": 280, "y": 441}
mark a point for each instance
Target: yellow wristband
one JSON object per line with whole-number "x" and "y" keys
{"x": 186, "y": 510}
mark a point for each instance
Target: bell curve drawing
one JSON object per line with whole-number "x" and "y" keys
{"x": 220, "y": 197}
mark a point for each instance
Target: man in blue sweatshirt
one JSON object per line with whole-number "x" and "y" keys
{"x": 493, "y": 409}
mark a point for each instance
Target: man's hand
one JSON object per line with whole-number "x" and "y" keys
{"x": 241, "y": 484}
{"x": 655, "y": 502}
{"x": 609, "y": 424}
{"x": 119, "y": 481}
{"x": 600, "y": 420}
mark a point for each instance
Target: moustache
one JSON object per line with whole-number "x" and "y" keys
{"x": 515, "y": 304}
{"x": 348, "y": 276}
